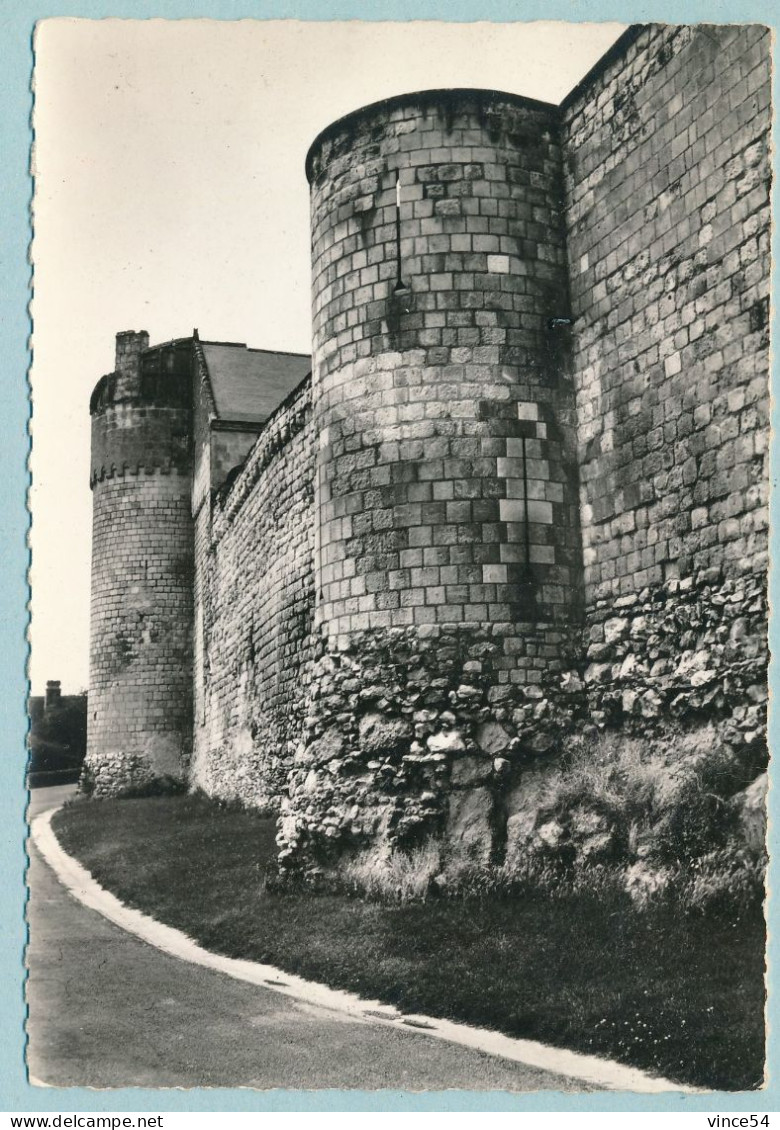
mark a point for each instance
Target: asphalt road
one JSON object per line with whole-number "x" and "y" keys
{"x": 108, "y": 1010}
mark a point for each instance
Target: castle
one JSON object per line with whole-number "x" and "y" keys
{"x": 520, "y": 487}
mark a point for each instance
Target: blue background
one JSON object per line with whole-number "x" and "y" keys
{"x": 17, "y": 20}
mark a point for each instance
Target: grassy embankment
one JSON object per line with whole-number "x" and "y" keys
{"x": 677, "y": 994}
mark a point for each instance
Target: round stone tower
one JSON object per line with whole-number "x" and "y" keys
{"x": 447, "y": 552}
{"x": 140, "y": 697}
{"x": 448, "y": 488}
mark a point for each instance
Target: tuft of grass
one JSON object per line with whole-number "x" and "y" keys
{"x": 665, "y": 798}
{"x": 393, "y": 876}
{"x": 678, "y": 994}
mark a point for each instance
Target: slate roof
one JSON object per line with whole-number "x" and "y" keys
{"x": 248, "y": 384}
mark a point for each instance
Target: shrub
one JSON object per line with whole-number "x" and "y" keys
{"x": 86, "y": 780}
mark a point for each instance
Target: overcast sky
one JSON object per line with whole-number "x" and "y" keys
{"x": 170, "y": 193}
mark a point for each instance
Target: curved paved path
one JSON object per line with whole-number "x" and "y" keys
{"x": 108, "y": 1010}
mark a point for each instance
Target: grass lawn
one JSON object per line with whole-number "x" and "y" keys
{"x": 681, "y": 995}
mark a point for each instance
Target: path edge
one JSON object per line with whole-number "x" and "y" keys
{"x": 78, "y": 881}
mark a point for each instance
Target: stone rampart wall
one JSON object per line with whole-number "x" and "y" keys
{"x": 667, "y": 186}
{"x": 394, "y": 633}
{"x": 254, "y": 601}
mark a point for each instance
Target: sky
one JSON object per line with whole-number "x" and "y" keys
{"x": 170, "y": 194}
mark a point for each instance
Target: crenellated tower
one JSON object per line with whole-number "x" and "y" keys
{"x": 140, "y": 699}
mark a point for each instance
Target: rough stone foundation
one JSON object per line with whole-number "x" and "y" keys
{"x": 408, "y": 734}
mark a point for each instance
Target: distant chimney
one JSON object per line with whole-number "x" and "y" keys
{"x": 53, "y": 694}
{"x": 129, "y": 347}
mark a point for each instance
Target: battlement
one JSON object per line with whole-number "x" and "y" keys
{"x": 141, "y": 413}
{"x": 160, "y": 375}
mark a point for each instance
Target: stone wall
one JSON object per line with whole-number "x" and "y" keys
{"x": 667, "y": 188}
{"x": 409, "y": 734}
{"x": 254, "y": 599}
{"x": 667, "y": 185}
{"x": 523, "y": 497}
{"x": 230, "y": 447}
